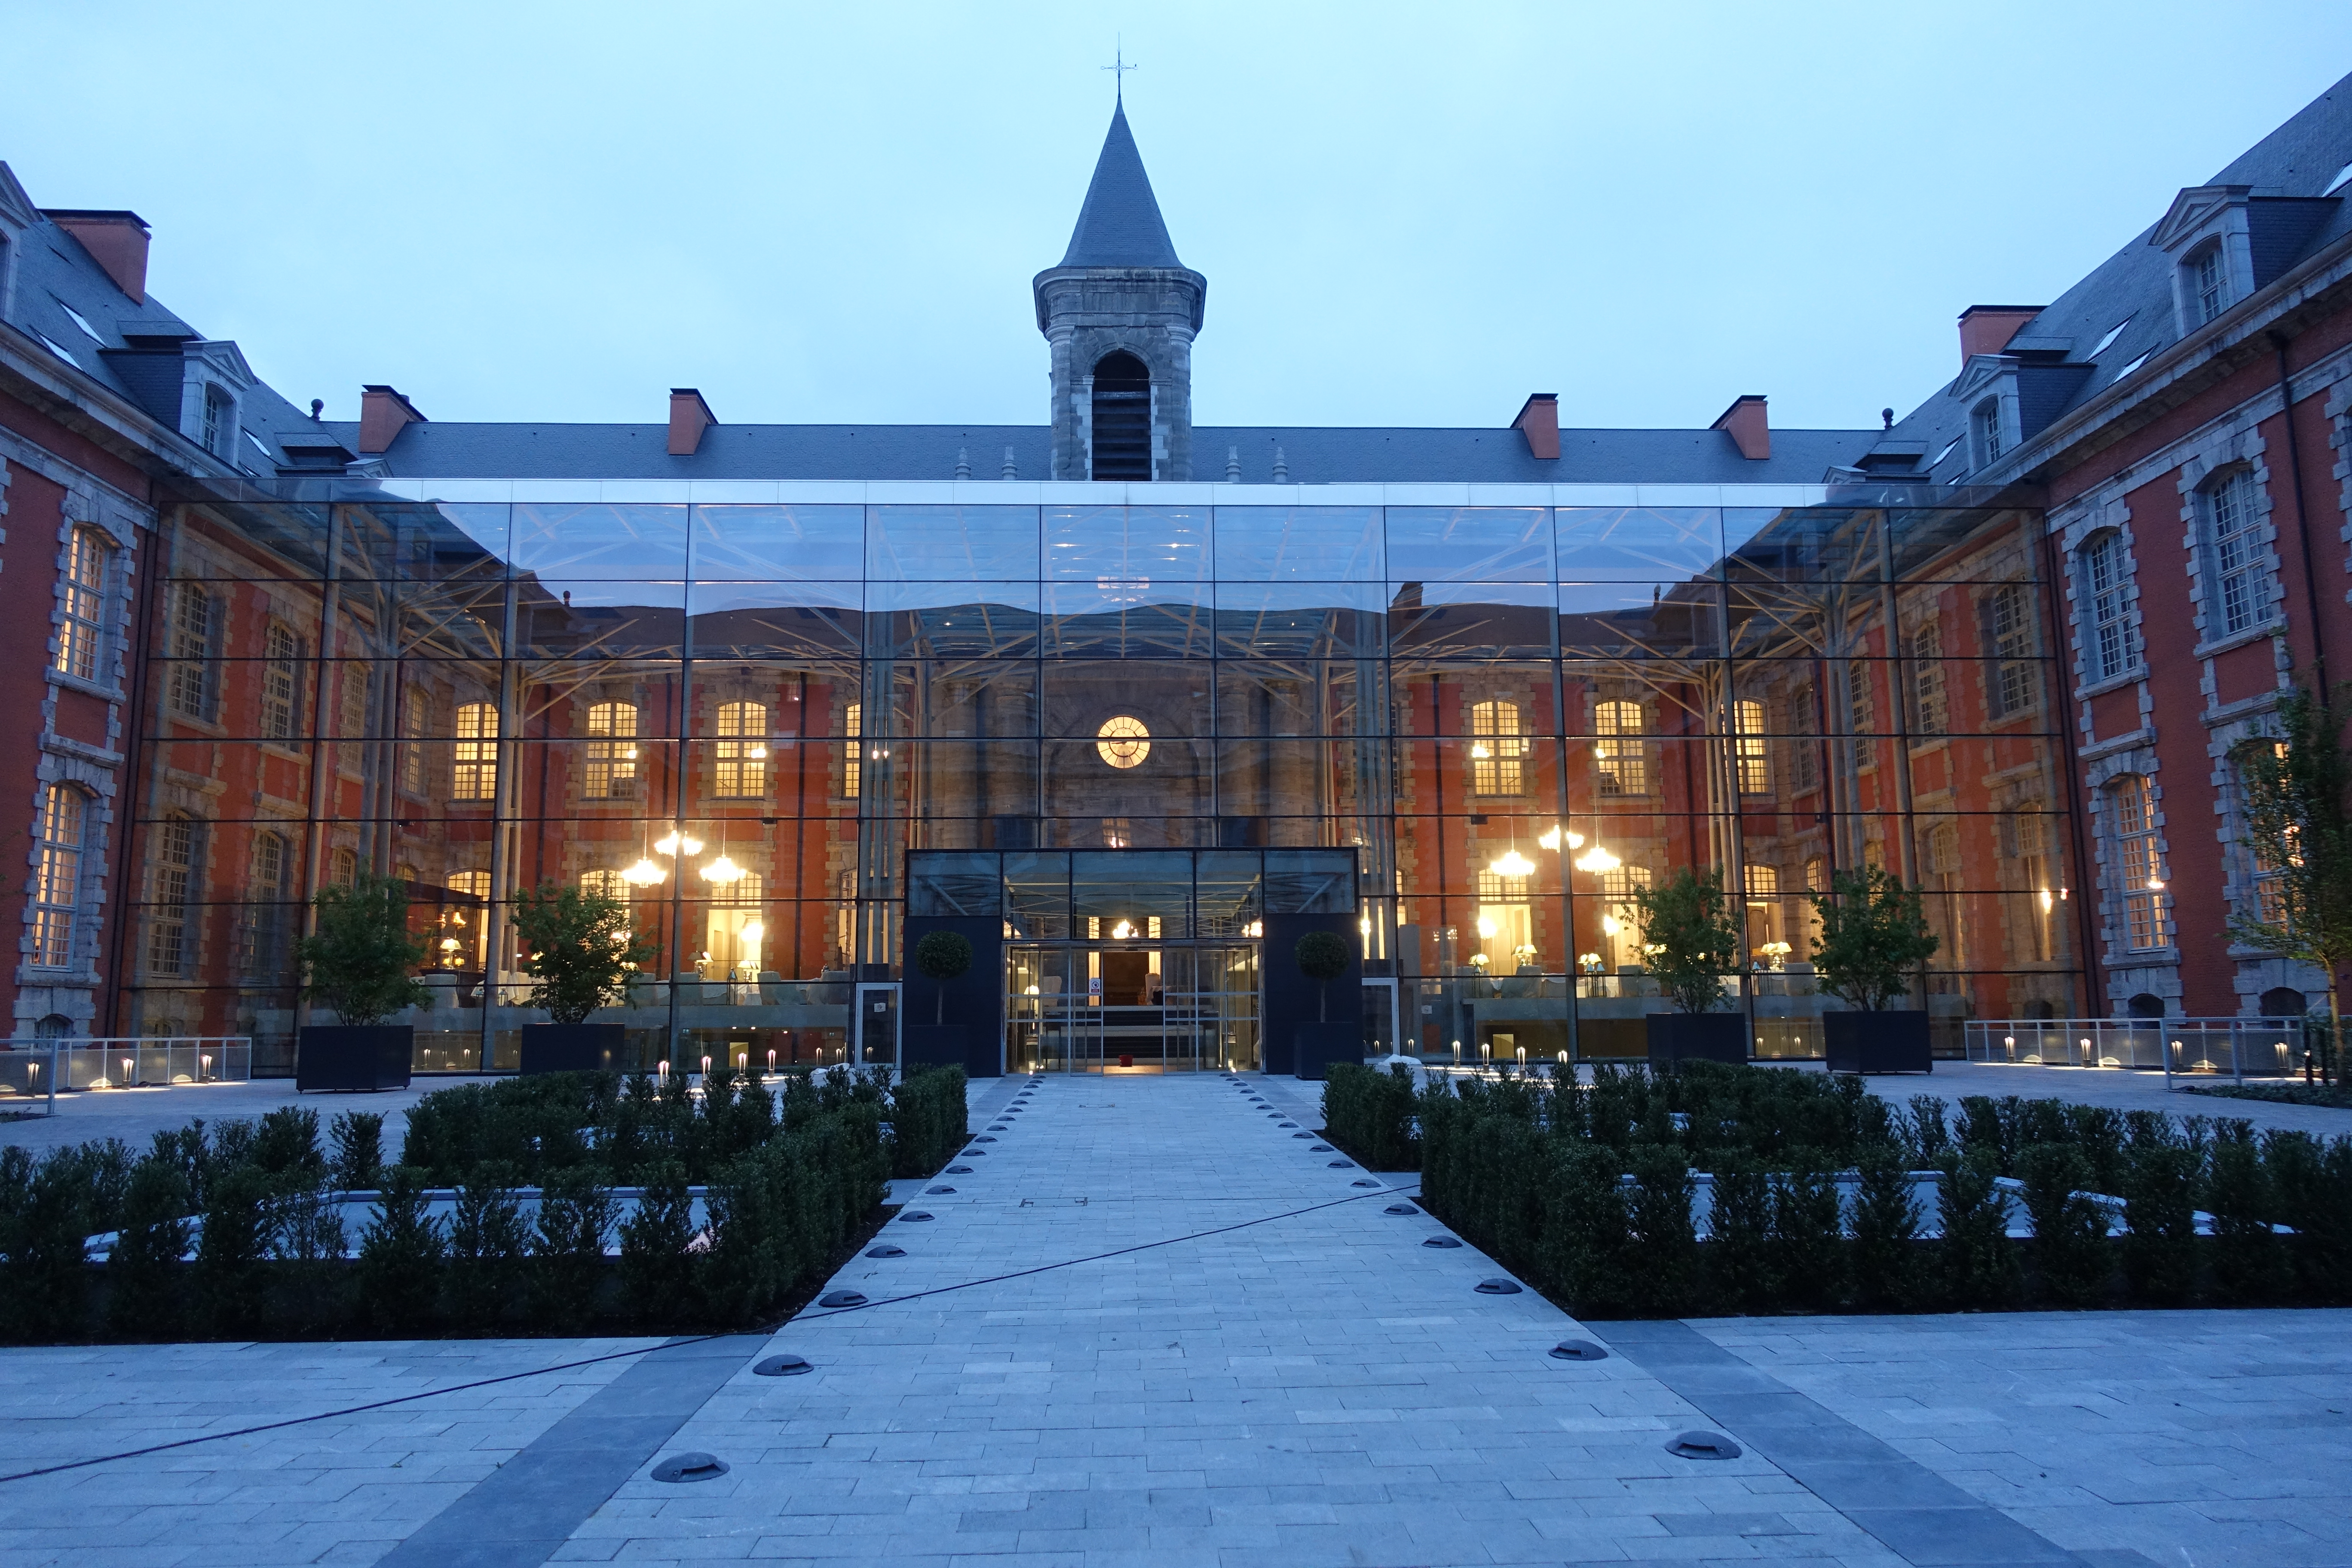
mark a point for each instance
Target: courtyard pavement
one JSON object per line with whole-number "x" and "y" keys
{"x": 1153, "y": 1325}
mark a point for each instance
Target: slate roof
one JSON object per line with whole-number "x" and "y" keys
{"x": 2133, "y": 289}
{"x": 1119, "y": 223}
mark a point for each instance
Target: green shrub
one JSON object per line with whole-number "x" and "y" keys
{"x": 1975, "y": 1262}
{"x": 655, "y": 1277}
{"x": 1586, "y": 1253}
{"x": 286, "y": 1148}
{"x": 44, "y": 1233}
{"x": 1665, "y": 1246}
{"x": 929, "y": 1123}
{"x": 1886, "y": 1219}
{"x": 1368, "y": 1112}
{"x": 2250, "y": 1267}
{"x": 229, "y": 1294}
{"x": 358, "y": 1162}
{"x": 402, "y": 1250}
{"x": 2160, "y": 1189}
{"x": 144, "y": 1273}
{"x": 1740, "y": 1257}
{"x": 1808, "y": 1236}
{"x": 2070, "y": 1231}
{"x": 489, "y": 1242}
{"x": 306, "y": 1249}
{"x": 575, "y": 1220}
{"x": 2313, "y": 1186}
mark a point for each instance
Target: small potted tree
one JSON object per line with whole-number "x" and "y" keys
{"x": 581, "y": 955}
{"x": 1690, "y": 944}
{"x": 1324, "y": 956}
{"x": 360, "y": 961}
{"x": 941, "y": 956}
{"x": 1873, "y": 938}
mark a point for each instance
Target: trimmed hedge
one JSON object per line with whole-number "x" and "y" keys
{"x": 787, "y": 1186}
{"x": 1368, "y": 1113}
{"x": 929, "y": 1120}
{"x": 1537, "y": 1177}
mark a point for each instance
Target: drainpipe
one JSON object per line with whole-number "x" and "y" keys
{"x": 2302, "y": 521}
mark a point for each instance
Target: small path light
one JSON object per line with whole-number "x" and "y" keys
{"x": 1578, "y": 1349}
{"x": 1320, "y": 1148}
{"x": 1440, "y": 1241}
{"x": 937, "y": 1191}
{"x": 690, "y": 1467}
{"x": 1366, "y": 1181}
{"x": 1400, "y": 1208}
{"x": 1339, "y": 1166}
{"x": 958, "y": 1171}
{"x": 1703, "y": 1445}
{"x": 886, "y": 1251}
{"x": 911, "y": 1218}
{"x": 1498, "y": 1286}
{"x": 842, "y": 1298}
{"x": 784, "y": 1366}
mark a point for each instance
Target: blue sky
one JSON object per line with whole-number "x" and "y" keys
{"x": 1407, "y": 214}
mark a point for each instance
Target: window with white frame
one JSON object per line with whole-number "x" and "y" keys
{"x": 739, "y": 761}
{"x": 1750, "y": 761}
{"x": 2106, "y": 581}
{"x": 82, "y": 633}
{"x": 57, "y": 876}
{"x": 1621, "y": 919}
{"x": 1496, "y": 750}
{"x": 1931, "y": 715}
{"x": 2269, "y": 864}
{"x": 189, "y": 689}
{"x": 853, "y": 754}
{"x": 416, "y": 728}
{"x": 1619, "y": 752}
{"x": 2014, "y": 686}
{"x": 220, "y": 422}
{"x": 343, "y": 868}
{"x": 1984, "y": 426}
{"x": 280, "y": 657}
{"x": 2209, "y": 284}
{"x": 473, "y": 919}
{"x": 260, "y": 917}
{"x": 611, "y": 768}
{"x": 1805, "y": 760}
{"x": 474, "y": 769}
{"x": 2241, "y": 563}
{"x": 172, "y": 880}
{"x": 1861, "y": 713}
{"x": 2138, "y": 867}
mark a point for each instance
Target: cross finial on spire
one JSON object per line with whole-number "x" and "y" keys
{"x": 1120, "y": 67}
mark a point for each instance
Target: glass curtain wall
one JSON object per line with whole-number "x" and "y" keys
{"x": 738, "y": 718}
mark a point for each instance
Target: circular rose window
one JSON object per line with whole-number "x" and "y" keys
{"x": 1123, "y": 741}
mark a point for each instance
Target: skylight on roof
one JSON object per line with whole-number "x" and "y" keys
{"x": 56, "y": 348}
{"x": 2133, "y": 366}
{"x": 1946, "y": 452}
{"x": 261, "y": 446}
{"x": 88, "y": 330}
{"x": 2113, "y": 334}
{"x": 2342, "y": 178}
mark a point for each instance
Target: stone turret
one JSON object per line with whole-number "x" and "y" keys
{"x": 1119, "y": 315}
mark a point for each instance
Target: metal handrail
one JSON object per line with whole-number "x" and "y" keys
{"x": 2188, "y": 1047}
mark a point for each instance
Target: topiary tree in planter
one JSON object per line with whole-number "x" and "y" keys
{"x": 360, "y": 957}
{"x": 360, "y": 961}
{"x": 1873, "y": 938}
{"x": 1688, "y": 940}
{"x": 578, "y": 948}
{"x": 943, "y": 956}
{"x": 1322, "y": 957}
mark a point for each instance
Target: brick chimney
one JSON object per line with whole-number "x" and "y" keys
{"x": 1749, "y": 426}
{"x": 384, "y": 414}
{"x": 689, "y": 416}
{"x": 1987, "y": 329}
{"x": 115, "y": 240}
{"x": 1539, "y": 421}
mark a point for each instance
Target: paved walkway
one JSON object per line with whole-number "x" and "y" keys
{"x": 1299, "y": 1381}
{"x": 136, "y": 1115}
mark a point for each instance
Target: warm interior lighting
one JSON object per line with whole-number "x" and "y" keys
{"x": 2046, "y": 901}
{"x": 1512, "y": 864}
{"x": 643, "y": 874}
{"x": 1597, "y": 861}
{"x": 2155, "y": 884}
{"x": 1609, "y": 925}
{"x": 670, "y": 843}
{"x": 1486, "y": 927}
{"x": 1479, "y": 750}
{"x": 756, "y": 751}
{"x": 1122, "y": 932}
{"x": 722, "y": 870}
{"x": 1255, "y": 928}
{"x": 1553, "y": 835}
{"x": 753, "y": 931}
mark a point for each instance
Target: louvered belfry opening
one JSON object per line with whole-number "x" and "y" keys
{"x": 1122, "y": 421}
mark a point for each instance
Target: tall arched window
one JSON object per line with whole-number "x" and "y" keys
{"x": 2241, "y": 561}
{"x": 1984, "y": 427}
{"x": 2013, "y": 685}
{"x": 172, "y": 880}
{"x": 853, "y": 754}
{"x": 737, "y": 930}
{"x": 606, "y": 883}
{"x": 738, "y": 763}
{"x": 474, "y": 774}
{"x": 280, "y": 653}
{"x": 56, "y": 878}
{"x": 416, "y": 727}
{"x": 1763, "y": 887}
{"x": 610, "y": 770}
{"x": 2209, "y": 284}
{"x": 189, "y": 689}
{"x": 2106, "y": 583}
{"x": 1122, "y": 418}
{"x": 468, "y": 924}
{"x": 342, "y": 868}
{"x": 1930, "y": 716}
{"x": 257, "y": 928}
{"x": 1860, "y": 712}
{"x": 1497, "y": 750}
{"x": 1619, "y": 752}
{"x": 1752, "y": 763}
{"x": 2139, "y": 870}
{"x": 1621, "y": 920}
{"x": 83, "y": 631}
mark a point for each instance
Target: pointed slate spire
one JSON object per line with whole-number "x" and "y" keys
{"x": 1119, "y": 225}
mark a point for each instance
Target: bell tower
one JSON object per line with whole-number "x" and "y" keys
{"x": 1119, "y": 314}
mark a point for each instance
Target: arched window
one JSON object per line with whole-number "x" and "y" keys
{"x": 280, "y": 653}
{"x": 415, "y": 726}
{"x": 1764, "y": 939}
{"x": 220, "y": 422}
{"x": 1750, "y": 761}
{"x": 853, "y": 755}
{"x": 2268, "y": 856}
{"x": 2140, "y": 870}
{"x": 56, "y": 878}
{"x": 468, "y": 925}
{"x": 189, "y": 689}
{"x": 342, "y": 868}
{"x": 1621, "y": 919}
{"x": 1496, "y": 750}
{"x": 474, "y": 775}
{"x": 737, "y": 930}
{"x": 1804, "y": 754}
{"x": 2283, "y": 1001}
{"x": 611, "y": 772}
{"x": 2013, "y": 685}
{"x": 173, "y": 878}
{"x": 1931, "y": 716}
{"x": 1122, "y": 418}
{"x": 83, "y": 631}
{"x": 2209, "y": 284}
{"x": 1618, "y": 752}
{"x": 738, "y": 763}
{"x": 2106, "y": 583}
{"x": 2241, "y": 565}
{"x": 1984, "y": 428}
{"x": 1860, "y": 712}
{"x": 606, "y": 883}
{"x": 259, "y": 925}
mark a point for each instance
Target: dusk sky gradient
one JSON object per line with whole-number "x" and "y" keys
{"x": 1407, "y": 214}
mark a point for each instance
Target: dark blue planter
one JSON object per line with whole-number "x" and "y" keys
{"x": 1676, "y": 1038}
{"x": 573, "y": 1047}
{"x": 1877, "y": 1042}
{"x": 340, "y": 1056}
{"x": 1315, "y": 1047}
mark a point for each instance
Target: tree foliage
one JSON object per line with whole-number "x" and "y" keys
{"x": 943, "y": 956}
{"x": 1322, "y": 957}
{"x": 1873, "y": 937}
{"x": 1688, "y": 941}
{"x": 360, "y": 956}
{"x": 2298, "y": 809}
{"x": 578, "y": 948}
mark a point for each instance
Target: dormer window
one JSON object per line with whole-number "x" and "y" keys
{"x": 2209, "y": 283}
{"x": 1984, "y": 425}
{"x": 218, "y": 417}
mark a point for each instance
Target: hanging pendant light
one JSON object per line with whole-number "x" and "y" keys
{"x": 670, "y": 843}
{"x": 1512, "y": 864}
{"x": 643, "y": 874}
{"x": 1598, "y": 860}
{"x": 722, "y": 870}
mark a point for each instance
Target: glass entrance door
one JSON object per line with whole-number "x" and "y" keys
{"x": 1129, "y": 1008}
